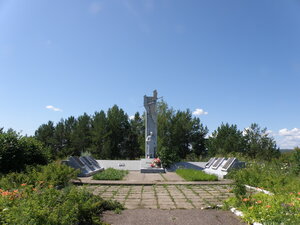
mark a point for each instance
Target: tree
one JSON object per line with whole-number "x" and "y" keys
{"x": 226, "y": 139}
{"x": 179, "y": 134}
{"x": 136, "y": 137}
{"x": 45, "y": 134}
{"x": 69, "y": 127}
{"x": 117, "y": 130}
{"x": 81, "y": 136}
{"x": 198, "y": 138}
{"x": 98, "y": 133}
{"x": 59, "y": 140}
{"x": 259, "y": 144}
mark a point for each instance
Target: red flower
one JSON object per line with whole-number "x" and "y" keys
{"x": 23, "y": 184}
{"x": 268, "y": 206}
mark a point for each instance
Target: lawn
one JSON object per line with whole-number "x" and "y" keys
{"x": 111, "y": 174}
{"x": 195, "y": 175}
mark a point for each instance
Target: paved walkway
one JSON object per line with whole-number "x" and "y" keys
{"x": 172, "y": 217}
{"x": 164, "y": 196}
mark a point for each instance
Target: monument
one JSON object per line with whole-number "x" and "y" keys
{"x": 150, "y": 125}
{"x": 150, "y": 164}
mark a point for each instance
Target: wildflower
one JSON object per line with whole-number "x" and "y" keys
{"x": 16, "y": 191}
{"x": 259, "y": 202}
{"x": 246, "y": 199}
{"x": 298, "y": 193}
{"x": 268, "y": 206}
{"x": 5, "y": 193}
{"x": 298, "y": 199}
{"x": 23, "y": 185}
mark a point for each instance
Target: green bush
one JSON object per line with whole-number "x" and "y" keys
{"x": 42, "y": 195}
{"x": 55, "y": 174}
{"x": 16, "y": 152}
{"x": 274, "y": 176}
{"x": 44, "y": 206}
{"x": 195, "y": 175}
{"x": 110, "y": 174}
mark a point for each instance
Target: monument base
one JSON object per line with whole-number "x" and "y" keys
{"x": 146, "y": 167}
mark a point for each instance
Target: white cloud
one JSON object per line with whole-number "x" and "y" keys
{"x": 199, "y": 112}
{"x": 245, "y": 131}
{"x": 288, "y": 138}
{"x": 51, "y": 107}
{"x": 131, "y": 117}
{"x": 95, "y": 8}
{"x": 292, "y": 132}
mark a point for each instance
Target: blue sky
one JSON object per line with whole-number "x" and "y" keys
{"x": 238, "y": 61}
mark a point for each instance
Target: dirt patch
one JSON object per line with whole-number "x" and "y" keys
{"x": 172, "y": 217}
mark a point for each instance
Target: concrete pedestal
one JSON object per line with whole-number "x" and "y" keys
{"x": 146, "y": 167}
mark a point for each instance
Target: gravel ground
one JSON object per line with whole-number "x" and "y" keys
{"x": 171, "y": 217}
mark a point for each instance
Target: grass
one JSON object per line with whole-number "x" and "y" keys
{"x": 111, "y": 174}
{"x": 195, "y": 175}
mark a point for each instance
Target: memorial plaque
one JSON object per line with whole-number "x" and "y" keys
{"x": 87, "y": 163}
{"x": 228, "y": 164}
{"x": 210, "y": 162}
{"x": 76, "y": 159}
{"x": 87, "y": 166}
{"x": 93, "y": 161}
{"x": 217, "y": 163}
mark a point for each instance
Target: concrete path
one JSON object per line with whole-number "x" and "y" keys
{"x": 164, "y": 196}
{"x": 171, "y": 217}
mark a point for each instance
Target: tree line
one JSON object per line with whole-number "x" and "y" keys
{"x": 112, "y": 135}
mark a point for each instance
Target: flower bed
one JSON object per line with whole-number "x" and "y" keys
{"x": 269, "y": 209}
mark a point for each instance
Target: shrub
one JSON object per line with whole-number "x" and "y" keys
{"x": 72, "y": 205}
{"x": 16, "y": 152}
{"x": 110, "y": 174}
{"x": 274, "y": 176}
{"x": 195, "y": 175}
{"x": 54, "y": 174}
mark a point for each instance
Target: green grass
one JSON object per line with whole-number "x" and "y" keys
{"x": 195, "y": 175}
{"x": 111, "y": 174}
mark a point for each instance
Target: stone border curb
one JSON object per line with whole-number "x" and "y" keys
{"x": 108, "y": 182}
{"x": 259, "y": 189}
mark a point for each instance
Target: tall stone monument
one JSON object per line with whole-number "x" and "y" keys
{"x": 150, "y": 125}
